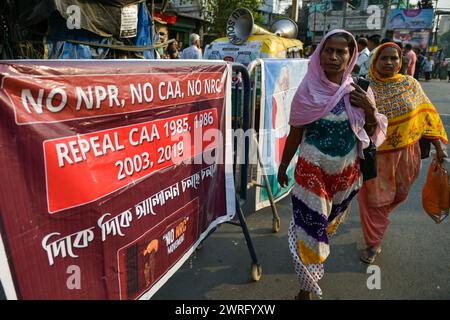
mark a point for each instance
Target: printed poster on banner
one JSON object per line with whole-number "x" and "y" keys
{"x": 129, "y": 21}
{"x": 280, "y": 78}
{"x": 112, "y": 173}
{"x": 245, "y": 53}
{"x": 411, "y": 19}
{"x": 417, "y": 38}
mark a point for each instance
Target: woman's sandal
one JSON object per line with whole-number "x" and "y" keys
{"x": 303, "y": 295}
{"x": 369, "y": 254}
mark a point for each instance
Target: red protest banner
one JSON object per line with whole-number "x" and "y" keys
{"x": 127, "y": 154}
{"x": 101, "y": 200}
{"x": 55, "y": 98}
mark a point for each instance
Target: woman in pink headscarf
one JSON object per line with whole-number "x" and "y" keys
{"x": 332, "y": 120}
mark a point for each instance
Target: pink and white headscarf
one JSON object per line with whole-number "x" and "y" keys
{"x": 316, "y": 96}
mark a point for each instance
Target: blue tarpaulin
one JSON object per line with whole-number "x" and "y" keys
{"x": 143, "y": 31}
{"x": 58, "y": 48}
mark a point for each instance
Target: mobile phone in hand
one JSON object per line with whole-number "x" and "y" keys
{"x": 363, "y": 83}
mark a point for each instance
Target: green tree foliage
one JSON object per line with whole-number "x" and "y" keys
{"x": 220, "y": 10}
{"x": 426, "y": 4}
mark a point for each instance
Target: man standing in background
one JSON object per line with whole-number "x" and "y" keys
{"x": 419, "y": 63}
{"x": 412, "y": 58}
{"x": 363, "y": 55}
{"x": 372, "y": 43}
{"x": 192, "y": 52}
{"x": 405, "y": 60}
{"x": 428, "y": 68}
{"x": 447, "y": 65}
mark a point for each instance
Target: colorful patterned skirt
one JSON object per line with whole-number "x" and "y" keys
{"x": 327, "y": 179}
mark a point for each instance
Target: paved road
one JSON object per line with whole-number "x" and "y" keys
{"x": 439, "y": 93}
{"x": 415, "y": 263}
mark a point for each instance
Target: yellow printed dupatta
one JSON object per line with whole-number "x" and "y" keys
{"x": 410, "y": 113}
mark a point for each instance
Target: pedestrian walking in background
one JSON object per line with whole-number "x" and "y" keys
{"x": 404, "y": 61}
{"x": 428, "y": 68}
{"x": 443, "y": 70}
{"x": 172, "y": 50}
{"x": 448, "y": 68}
{"x": 411, "y": 117}
{"x": 362, "y": 57}
{"x": 419, "y": 62}
{"x": 372, "y": 42}
{"x": 192, "y": 52}
{"x": 412, "y": 59}
{"x": 309, "y": 51}
{"x": 331, "y": 120}
{"x": 438, "y": 60}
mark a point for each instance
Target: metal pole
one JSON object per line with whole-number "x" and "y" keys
{"x": 276, "y": 217}
{"x": 152, "y": 28}
{"x": 237, "y": 67}
{"x": 345, "y": 14}
{"x": 387, "y": 12}
{"x": 325, "y": 13}
{"x": 294, "y": 10}
{"x": 438, "y": 64}
{"x": 314, "y": 30}
{"x": 436, "y": 19}
{"x": 436, "y": 30}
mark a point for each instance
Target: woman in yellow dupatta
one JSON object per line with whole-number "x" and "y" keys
{"x": 411, "y": 116}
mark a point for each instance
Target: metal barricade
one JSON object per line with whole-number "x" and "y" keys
{"x": 242, "y": 121}
{"x": 253, "y": 70}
